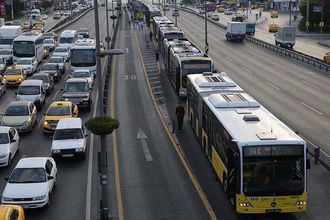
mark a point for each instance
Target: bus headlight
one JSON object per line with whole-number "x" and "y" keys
{"x": 300, "y": 203}
{"x": 245, "y": 204}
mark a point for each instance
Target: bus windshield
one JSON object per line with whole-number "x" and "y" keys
{"x": 83, "y": 57}
{"x": 274, "y": 175}
{"x": 23, "y": 49}
{"x": 66, "y": 40}
{"x": 6, "y": 41}
{"x": 171, "y": 36}
{"x": 193, "y": 67}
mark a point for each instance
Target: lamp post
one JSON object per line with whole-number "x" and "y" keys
{"x": 107, "y": 16}
{"x": 307, "y": 16}
{"x": 290, "y": 13}
{"x": 205, "y": 19}
{"x": 12, "y": 9}
{"x": 175, "y": 13}
{"x": 321, "y": 23}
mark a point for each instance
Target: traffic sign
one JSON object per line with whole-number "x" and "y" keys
{"x": 307, "y": 23}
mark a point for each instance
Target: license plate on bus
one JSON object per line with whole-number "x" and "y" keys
{"x": 273, "y": 210}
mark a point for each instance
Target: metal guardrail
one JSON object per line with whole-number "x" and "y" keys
{"x": 306, "y": 59}
{"x": 318, "y": 154}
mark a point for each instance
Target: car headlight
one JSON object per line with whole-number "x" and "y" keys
{"x": 81, "y": 149}
{"x": 56, "y": 151}
{"x": 4, "y": 155}
{"x": 39, "y": 198}
{"x": 45, "y": 122}
{"x": 19, "y": 79}
{"x": 7, "y": 199}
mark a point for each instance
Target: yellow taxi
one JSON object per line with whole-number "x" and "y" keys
{"x": 45, "y": 52}
{"x": 9, "y": 212}
{"x": 56, "y": 111}
{"x": 273, "y": 27}
{"x": 38, "y": 22}
{"x": 26, "y": 25}
{"x": 14, "y": 75}
{"x": 274, "y": 14}
{"x": 326, "y": 57}
{"x": 38, "y": 29}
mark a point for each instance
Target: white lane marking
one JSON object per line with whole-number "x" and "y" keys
{"x": 310, "y": 107}
{"x": 311, "y": 84}
{"x": 56, "y": 94}
{"x": 272, "y": 85}
{"x": 90, "y": 162}
{"x": 142, "y": 137}
{"x": 126, "y": 50}
{"x": 228, "y": 58}
{"x": 246, "y": 69}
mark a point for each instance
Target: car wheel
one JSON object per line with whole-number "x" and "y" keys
{"x": 9, "y": 160}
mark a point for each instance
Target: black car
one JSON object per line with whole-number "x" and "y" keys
{"x": 84, "y": 32}
{"x": 46, "y": 78}
{"x": 53, "y": 70}
{"x": 77, "y": 91}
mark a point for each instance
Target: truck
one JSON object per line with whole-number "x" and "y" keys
{"x": 250, "y": 28}
{"x": 236, "y": 31}
{"x": 8, "y": 34}
{"x": 285, "y": 36}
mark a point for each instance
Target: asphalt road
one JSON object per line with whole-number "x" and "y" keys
{"x": 294, "y": 93}
{"x": 68, "y": 201}
{"x": 153, "y": 181}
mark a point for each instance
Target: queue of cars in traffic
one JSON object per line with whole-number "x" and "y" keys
{"x": 33, "y": 179}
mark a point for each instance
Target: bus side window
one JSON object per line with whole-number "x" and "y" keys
{"x": 204, "y": 121}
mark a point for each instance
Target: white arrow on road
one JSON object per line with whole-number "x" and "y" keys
{"x": 142, "y": 137}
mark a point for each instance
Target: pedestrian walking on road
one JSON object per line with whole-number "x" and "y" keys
{"x": 179, "y": 112}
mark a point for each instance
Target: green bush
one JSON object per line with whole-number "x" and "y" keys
{"x": 102, "y": 125}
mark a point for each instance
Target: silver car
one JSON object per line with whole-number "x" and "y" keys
{"x": 7, "y": 55}
{"x": 62, "y": 52}
{"x": 49, "y": 43}
{"x": 60, "y": 61}
{"x": 20, "y": 115}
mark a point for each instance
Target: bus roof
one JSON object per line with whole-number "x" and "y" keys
{"x": 28, "y": 36}
{"x": 248, "y": 122}
{"x": 213, "y": 82}
{"x": 161, "y": 19}
{"x": 186, "y": 49}
{"x": 84, "y": 43}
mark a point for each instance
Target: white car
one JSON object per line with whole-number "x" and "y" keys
{"x": 3, "y": 65}
{"x": 49, "y": 43}
{"x": 31, "y": 183}
{"x": 60, "y": 61}
{"x": 7, "y": 55}
{"x": 9, "y": 144}
{"x": 29, "y": 64}
{"x": 44, "y": 17}
{"x": 209, "y": 14}
{"x": 86, "y": 74}
{"x": 62, "y": 52}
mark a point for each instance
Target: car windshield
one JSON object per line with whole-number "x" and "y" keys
{"x": 83, "y": 30}
{"x": 81, "y": 74}
{"x": 5, "y": 52}
{"x": 44, "y": 78}
{"x": 17, "y": 110}
{"x": 48, "y": 35}
{"x": 48, "y": 41}
{"x": 49, "y": 67}
{"x": 61, "y": 50}
{"x": 28, "y": 175}
{"x": 64, "y": 40}
{"x": 76, "y": 87}
{"x": 55, "y": 60}
{"x": 58, "y": 111}
{"x": 24, "y": 62}
{"x": 13, "y": 72}
{"x": 28, "y": 90}
{"x": 4, "y": 138}
{"x": 62, "y": 134}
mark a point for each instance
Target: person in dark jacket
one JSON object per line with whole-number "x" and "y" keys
{"x": 179, "y": 112}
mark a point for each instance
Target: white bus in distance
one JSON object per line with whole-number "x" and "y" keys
{"x": 68, "y": 38}
{"x": 83, "y": 55}
{"x": 28, "y": 44}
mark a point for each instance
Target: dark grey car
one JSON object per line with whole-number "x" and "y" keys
{"x": 53, "y": 69}
{"x": 46, "y": 78}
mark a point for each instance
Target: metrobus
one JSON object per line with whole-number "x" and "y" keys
{"x": 259, "y": 160}
{"x": 180, "y": 64}
{"x": 169, "y": 33}
{"x": 168, "y": 43}
{"x": 157, "y": 21}
{"x": 160, "y": 27}
{"x": 28, "y": 44}
{"x": 202, "y": 85}
{"x": 83, "y": 55}
{"x": 151, "y": 11}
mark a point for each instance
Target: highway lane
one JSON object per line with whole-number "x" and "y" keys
{"x": 283, "y": 87}
{"x": 69, "y": 198}
{"x": 153, "y": 182}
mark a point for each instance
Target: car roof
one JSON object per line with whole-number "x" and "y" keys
{"x": 77, "y": 80}
{"x": 14, "y": 67}
{"x": 40, "y": 74}
{"x": 32, "y": 82}
{"x": 57, "y": 57}
{"x": 4, "y": 129}
{"x": 65, "y": 123}
{"x": 19, "y": 103}
{"x": 60, "y": 104}
{"x": 32, "y": 162}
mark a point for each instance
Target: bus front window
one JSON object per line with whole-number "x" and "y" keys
{"x": 83, "y": 57}
{"x": 23, "y": 49}
{"x": 273, "y": 175}
{"x": 193, "y": 67}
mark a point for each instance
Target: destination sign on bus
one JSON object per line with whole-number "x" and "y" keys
{"x": 279, "y": 150}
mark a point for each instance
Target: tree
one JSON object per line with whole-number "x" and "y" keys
{"x": 315, "y": 17}
{"x": 102, "y": 125}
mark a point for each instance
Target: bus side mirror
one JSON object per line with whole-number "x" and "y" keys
{"x": 308, "y": 163}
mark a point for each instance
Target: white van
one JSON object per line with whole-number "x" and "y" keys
{"x": 33, "y": 91}
{"x": 69, "y": 139}
{"x": 68, "y": 38}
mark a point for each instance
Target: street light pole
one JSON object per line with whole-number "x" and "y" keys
{"x": 307, "y": 16}
{"x": 321, "y": 23}
{"x": 12, "y": 9}
{"x": 175, "y": 13}
{"x": 107, "y": 15}
{"x": 290, "y": 13}
{"x": 113, "y": 11}
{"x": 205, "y": 19}
{"x": 103, "y": 169}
